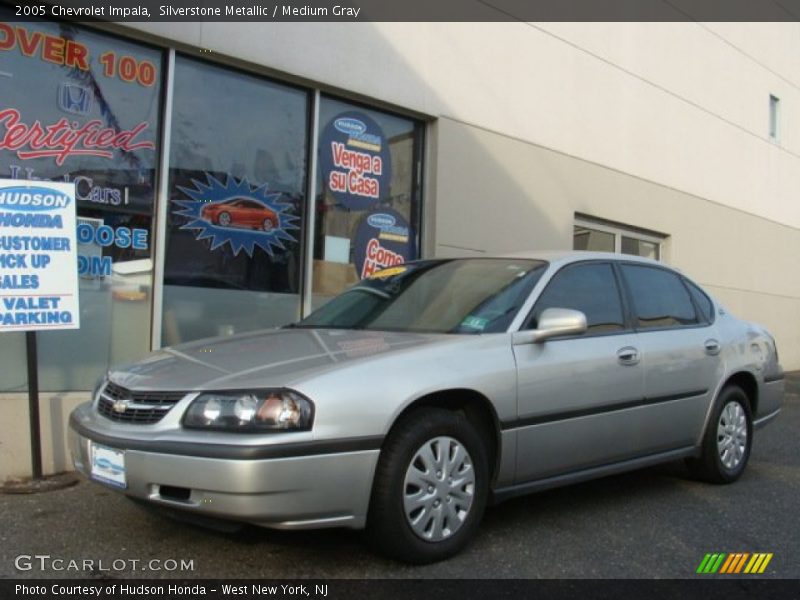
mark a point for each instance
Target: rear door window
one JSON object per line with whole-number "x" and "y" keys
{"x": 659, "y": 297}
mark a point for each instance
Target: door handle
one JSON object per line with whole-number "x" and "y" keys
{"x": 628, "y": 356}
{"x": 712, "y": 347}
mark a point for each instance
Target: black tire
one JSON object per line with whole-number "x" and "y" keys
{"x": 710, "y": 465}
{"x": 388, "y": 526}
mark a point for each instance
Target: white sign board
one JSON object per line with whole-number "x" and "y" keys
{"x": 38, "y": 256}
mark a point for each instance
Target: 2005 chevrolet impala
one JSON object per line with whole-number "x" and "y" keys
{"x": 409, "y": 401}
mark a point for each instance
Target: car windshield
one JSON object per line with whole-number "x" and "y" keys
{"x": 479, "y": 295}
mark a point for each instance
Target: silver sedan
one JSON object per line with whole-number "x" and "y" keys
{"x": 407, "y": 403}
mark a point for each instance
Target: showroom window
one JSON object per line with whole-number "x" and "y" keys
{"x": 606, "y": 236}
{"x": 107, "y": 92}
{"x": 367, "y": 194}
{"x": 216, "y": 162}
{"x": 237, "y": 173}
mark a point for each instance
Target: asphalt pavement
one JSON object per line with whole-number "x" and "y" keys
{"x": 654, "y": 523}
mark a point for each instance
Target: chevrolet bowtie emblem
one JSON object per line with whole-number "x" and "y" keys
{"x": 120, "y": 406}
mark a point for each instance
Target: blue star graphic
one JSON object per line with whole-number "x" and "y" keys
{"x": 245, "y": 240}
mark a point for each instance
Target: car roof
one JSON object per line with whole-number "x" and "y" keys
{"x": 569, "y": 256}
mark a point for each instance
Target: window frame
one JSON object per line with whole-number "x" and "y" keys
{"x": 315, "y": 93}
{"x": 419, "y": 168}
{"x": 619, "y": 231}
{"x": 628, "y": 325}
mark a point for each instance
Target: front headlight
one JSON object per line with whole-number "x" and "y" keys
{"x": 250, "y": 411}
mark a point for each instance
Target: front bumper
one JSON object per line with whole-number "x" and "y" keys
{"x": 288, "y": 492}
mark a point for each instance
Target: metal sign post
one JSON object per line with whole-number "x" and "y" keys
{"x": 33, "y": 404}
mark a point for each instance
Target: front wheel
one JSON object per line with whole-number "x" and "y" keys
{"x": 727, "y": 440}
{"x": 430, "y": 487}
{"x": 224, "y": 219}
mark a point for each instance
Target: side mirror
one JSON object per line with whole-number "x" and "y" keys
{"x": 553, "y": 322}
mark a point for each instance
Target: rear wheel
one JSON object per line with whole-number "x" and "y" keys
{"x": 267, "y": 225}
{"x": 430, "y": 487}
{"x": 727, "y": 440}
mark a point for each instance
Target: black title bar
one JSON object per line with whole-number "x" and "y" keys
{"x": 709, "y": 588}
{"x": 122, "y": 11}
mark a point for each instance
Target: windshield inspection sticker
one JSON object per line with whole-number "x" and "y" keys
{"x": 475, "y": 323}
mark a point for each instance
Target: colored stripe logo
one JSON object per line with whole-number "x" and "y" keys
{"x": 734, "y": 563}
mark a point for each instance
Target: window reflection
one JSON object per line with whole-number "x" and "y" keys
{"x": 113, "y": 166}
{"x": 236, "y": 181}
{"x": 367, "y": 203}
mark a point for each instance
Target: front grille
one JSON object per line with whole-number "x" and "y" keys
{"x": 139, "y": 407}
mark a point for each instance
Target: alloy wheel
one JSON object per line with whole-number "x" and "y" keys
{"x": 732, "y": 435}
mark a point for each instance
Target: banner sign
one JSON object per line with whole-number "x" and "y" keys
{"x": 383, "y": 239}
{"x": 38, "y": 256}
{"x": 355, "y": 160}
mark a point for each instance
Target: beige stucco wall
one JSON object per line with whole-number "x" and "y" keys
{"x": 495, "y": 193}
{"x": 15, "y": 451}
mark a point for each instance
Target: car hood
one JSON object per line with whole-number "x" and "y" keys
{"x": 270, "y": 358}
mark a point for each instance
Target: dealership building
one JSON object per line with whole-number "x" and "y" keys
{"x": 234, "y": 176}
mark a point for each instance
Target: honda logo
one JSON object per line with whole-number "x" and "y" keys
{"x": 74, "y": 99}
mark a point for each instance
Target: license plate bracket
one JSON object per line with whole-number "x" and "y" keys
{"x": 108, "y": 465}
